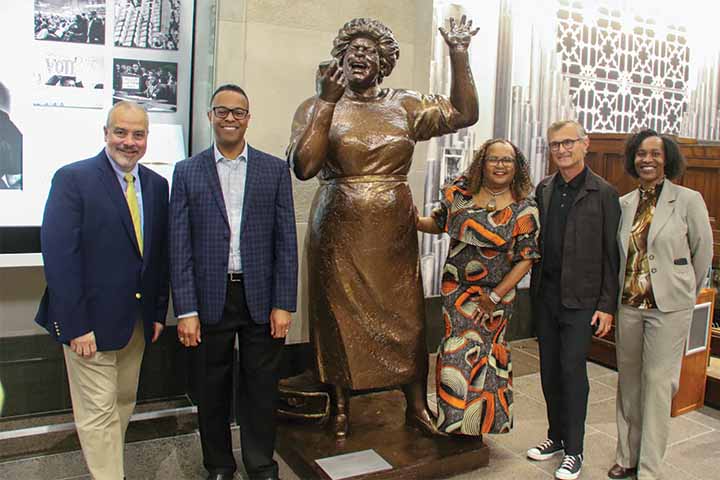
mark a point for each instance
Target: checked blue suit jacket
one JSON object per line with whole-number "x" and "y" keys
{"x": 97, "y": 280}
{"x": 200, "y": 238}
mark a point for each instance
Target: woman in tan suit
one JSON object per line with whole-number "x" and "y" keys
{"x": 665, "y": 252}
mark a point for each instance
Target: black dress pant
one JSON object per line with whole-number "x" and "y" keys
{"x": 212, "y": 382}
{"x": 564, "y": 337}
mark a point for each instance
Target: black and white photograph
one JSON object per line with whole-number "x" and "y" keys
{"x": 74, "y": 21}
{"x": 70, "y": 81}
{"x": 151, "y": 84}
{"x": 11, "y": 147}
{"x": 153, "y": 24}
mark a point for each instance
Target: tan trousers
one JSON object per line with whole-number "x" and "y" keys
{"x": 103, "y": 391}
{"x": 649, "y": 345}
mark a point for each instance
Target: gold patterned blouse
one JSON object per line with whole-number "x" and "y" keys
{"x": 637, "y": 289}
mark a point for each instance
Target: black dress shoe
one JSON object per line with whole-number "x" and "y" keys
{"x": 618, "y": 472}
{"x": 220, "y": 476}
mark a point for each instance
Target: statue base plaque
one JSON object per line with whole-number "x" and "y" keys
{"x": 377, "y": 422}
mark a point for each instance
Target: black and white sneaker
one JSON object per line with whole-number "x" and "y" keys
{"x": 547, "y": 449}
{"x": 570, "y": 467}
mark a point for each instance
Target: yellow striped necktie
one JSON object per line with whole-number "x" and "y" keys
{"x": 131, "y": 197}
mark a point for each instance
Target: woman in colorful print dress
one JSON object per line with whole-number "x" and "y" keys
{"x": 493, "y": 230}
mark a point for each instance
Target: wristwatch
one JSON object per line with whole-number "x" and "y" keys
{"x": 494, "y": 297}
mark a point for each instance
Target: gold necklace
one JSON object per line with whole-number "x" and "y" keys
{"x": 491, "y": 205}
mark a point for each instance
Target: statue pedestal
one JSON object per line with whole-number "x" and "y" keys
{"x": 377, "y": 421}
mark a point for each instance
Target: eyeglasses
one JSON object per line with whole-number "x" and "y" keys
{"x": 223, "y": 112}
{"x": 566, "y": 144}
{"x": 505, "y": 161}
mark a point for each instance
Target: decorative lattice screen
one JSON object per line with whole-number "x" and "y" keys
{"x": 625, "y": 72}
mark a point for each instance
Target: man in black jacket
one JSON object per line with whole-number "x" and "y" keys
{"x": 574, "y": 288}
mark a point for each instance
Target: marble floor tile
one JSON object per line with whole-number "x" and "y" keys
{"x": 671, "y": 472}
{"x": 601, "y": 416}
{"x": 514, "y": 468}
{"x": 523, "y": 363}
{"x": 710, "y": 417}
{"x": 609, "y": 379}
{"x": 528, "y": 408}
{"x": 683, "y": 429}
{"x": 528, "y": 345}
{"x": 63, "y": 465}
{"x": 176, "y": 457}
{"x": 529, "y": 385}
{"x": 595, "y": 370}
{"x": 697, "y": 456}
{"x": 503, "y": 461}
{"x": 530, "y": 427}
{"x": 599, "y": 392}
{"x": 692, "y": 454}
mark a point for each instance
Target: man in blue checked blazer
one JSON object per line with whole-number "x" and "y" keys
{"x": 233, "y": 270}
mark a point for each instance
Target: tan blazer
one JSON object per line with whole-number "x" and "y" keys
{"x": 679, "y": 245}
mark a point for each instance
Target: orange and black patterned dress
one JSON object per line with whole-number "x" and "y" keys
{"x": 474, "y": 375}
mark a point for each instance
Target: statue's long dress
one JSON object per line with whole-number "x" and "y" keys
{"x": 366, "y": 308}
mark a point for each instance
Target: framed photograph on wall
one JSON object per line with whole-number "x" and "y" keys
{"x": 73, "y": 21}
{"x": 71, "y": 81}
{"x": 151, "y": 84}
{"x": 153, "y": 24}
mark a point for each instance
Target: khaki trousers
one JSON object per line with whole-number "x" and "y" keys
{"x": 649, "y": 345}
{"x": 103, "y": 391}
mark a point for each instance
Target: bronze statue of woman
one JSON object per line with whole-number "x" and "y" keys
{"x": 366, "y": 309}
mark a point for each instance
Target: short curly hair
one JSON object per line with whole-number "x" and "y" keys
{"x": 674, "y": 160}
{"x": 387, "y": 45}
{"x": 521, "y": 185}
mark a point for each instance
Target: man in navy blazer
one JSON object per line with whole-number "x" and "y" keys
{"x": 104, "y": 245}
{"x": 233, "y": 270}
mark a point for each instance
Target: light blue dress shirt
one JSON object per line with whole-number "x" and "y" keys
{"x": 123, "y": 184}
{"x": 232, "y": 174}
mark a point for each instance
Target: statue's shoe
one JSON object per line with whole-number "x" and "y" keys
{"x": 423, "y": 421}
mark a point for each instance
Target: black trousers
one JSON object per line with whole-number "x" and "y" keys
{"x": 212, "y": 383}
{"x": 564, "y": 337}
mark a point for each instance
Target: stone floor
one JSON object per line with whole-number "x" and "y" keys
{"x": 692, "y": 454}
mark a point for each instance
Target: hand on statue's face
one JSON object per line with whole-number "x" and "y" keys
{"x": 332, "y": 83}
{"x": 361, "y": 65}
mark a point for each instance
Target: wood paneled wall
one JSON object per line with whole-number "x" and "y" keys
{"x": 606, "y": 157}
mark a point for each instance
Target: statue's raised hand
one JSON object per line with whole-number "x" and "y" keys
{"x": 332, "y": 83}
{"x": 460, "y": 34}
